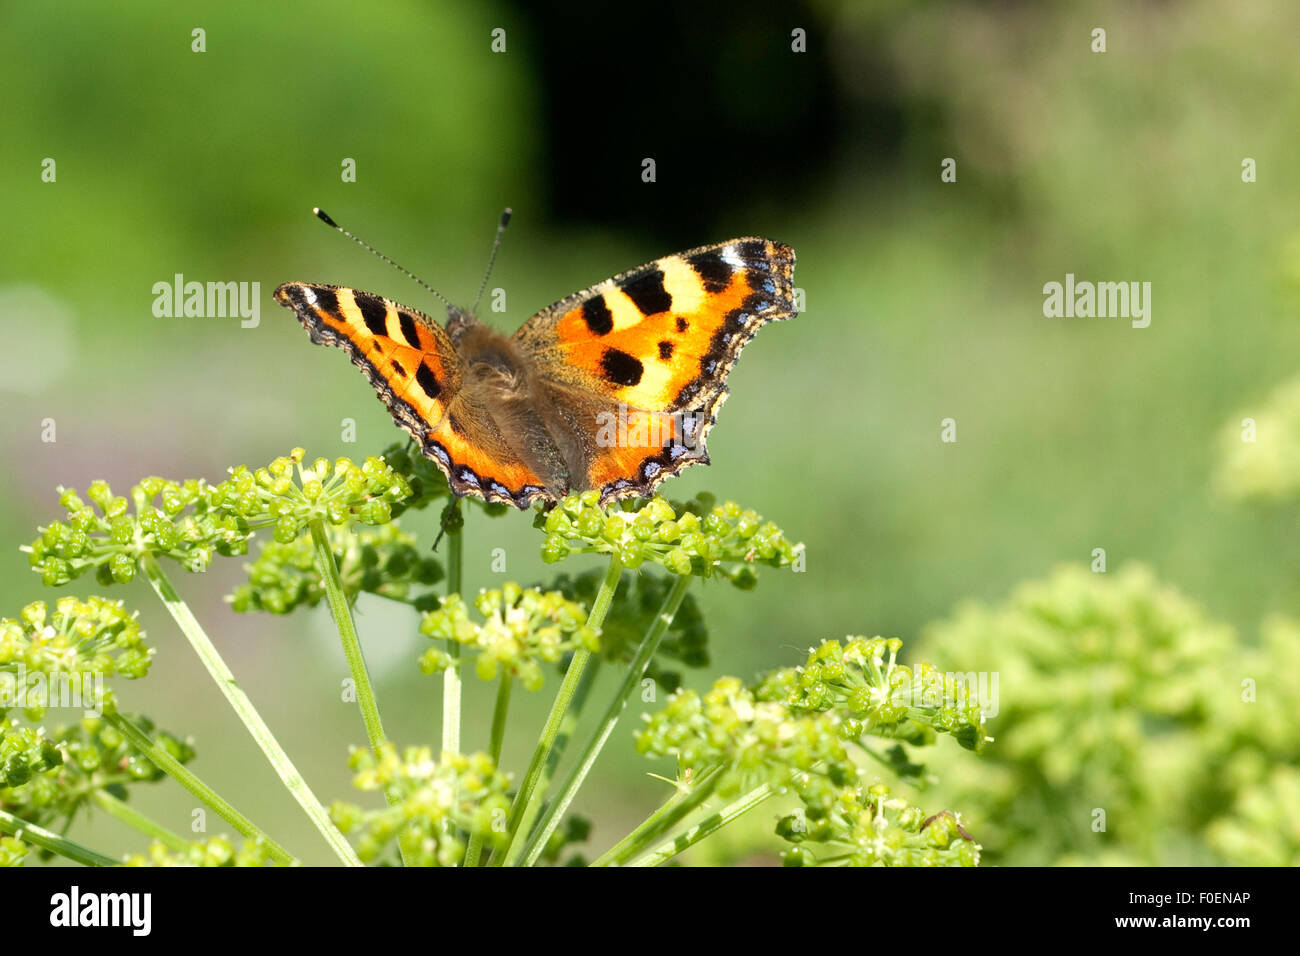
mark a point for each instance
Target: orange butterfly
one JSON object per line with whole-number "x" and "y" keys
{"x": 614, "y": 388}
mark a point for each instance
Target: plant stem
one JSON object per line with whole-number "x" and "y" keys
{"x": 165, "y": 762}
{"x": 569, "y": 724}
{"x": 341, "y": 611}
{"x": 134, "y": 818}
{"x": 346, "y": 625}
{"x": 677, "y": 808}
{"x": 499, "y": 716}
{"x": 475, "y": 849}
{"x": 635, "y": 671}
{"x": 528, "y": 800}
{"x": 451, "y": 685}
{"x": 243, "y": 707}
{"x": 711, "y": 824}
{"x": 454, "y": 523}
{"x": 39, "y": 836}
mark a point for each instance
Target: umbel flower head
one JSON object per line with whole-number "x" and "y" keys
{"x": 521, "y": 629}
{"x": 75, "y": 647}
{"x": 190, "y": 521}
{"x": 694, "y": 538}
{"x": 215, "y": 851}
{"x": 862, "y": 683}
{"x": 383, "y": 561}
{"x": 47, "y": 776}
{"x": 752, "y": 741}
{"x": 868, "y": 827}
{"x": 424, "y": 795}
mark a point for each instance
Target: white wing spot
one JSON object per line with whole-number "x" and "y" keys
{"x": 732, "y": 257}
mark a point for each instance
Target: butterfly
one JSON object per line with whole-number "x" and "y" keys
{"x": 613, "y": 388}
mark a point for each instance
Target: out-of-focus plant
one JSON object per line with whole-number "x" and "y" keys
{"x": 1259, "y": 453}
{"x": 1122, "y": 731}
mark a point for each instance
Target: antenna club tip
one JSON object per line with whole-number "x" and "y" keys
{"x": 323, "y": 216}
{"x": 505, "y": 216}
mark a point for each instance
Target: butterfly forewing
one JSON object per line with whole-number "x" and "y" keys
{"x": 655, "y": 344}
{"x": 407, "y": 357}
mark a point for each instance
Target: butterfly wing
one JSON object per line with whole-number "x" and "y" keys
{"x": 412, "y": 364}
{"x": 652, "y": 347}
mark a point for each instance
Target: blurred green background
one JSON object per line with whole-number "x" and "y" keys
{"x": 924, "y": 300}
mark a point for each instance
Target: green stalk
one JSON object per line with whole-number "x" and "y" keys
{"x": 635, "y": 671}
{"x": 243, "y": 707}
{"x": 341, "y": 611}
{"x": 499, "y": 716}
{"x": 346, "y": 625}
{"x": 134, "y": 818}
{"x": 39, "y": 836}
{"x": 712, "y": 824}
{"x": 454, "y": 522}
{"x": 165, "y": 762}
{"x": 475, "y": 849}
{"x": 569, "y": 724}
{"x": 677, "y": 808}
{"x": 451, "y": 684}
{"x": 528, "y": 800}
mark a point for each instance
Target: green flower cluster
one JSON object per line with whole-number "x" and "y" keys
{"x": 25, "y": 752}
{"x": 1118, "y": 698}
{"x": 421, "y": 475}
{"x": 43, "y": 654}
{"x": 863, "y": 684}
{"x": 868, "y": 827}
{"x": 694, "y": 538}
{"x": 1259, "y": 460}
{"x": 753, "y": 741}
{"x": 425, "y": 795}
{"x": 1263, "y": 827}
{"x": 1255, "y": 759}
{"x": 47, "y": 776}
{"x": 521, "y": 629}
{"x": 189, "y": 521}
{"x": 108, "y": 537}
{"x": 12, "y": 851}
{"x": 215, "y": 851}
{"x": 339, "y": 492}
{"x": 636, "y": 603}
{"x": 789, "y": 733}
{"x": 1256, "y": 721}
{"x": 383, "y": 561}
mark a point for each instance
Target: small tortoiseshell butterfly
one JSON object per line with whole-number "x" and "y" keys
{"x": 614, "y": 388}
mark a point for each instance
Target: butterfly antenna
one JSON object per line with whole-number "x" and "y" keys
{"x": 496, "y": 244}
{"x": 323, "y": 216}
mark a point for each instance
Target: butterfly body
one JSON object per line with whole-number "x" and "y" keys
{"x": 613, "y": 388}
